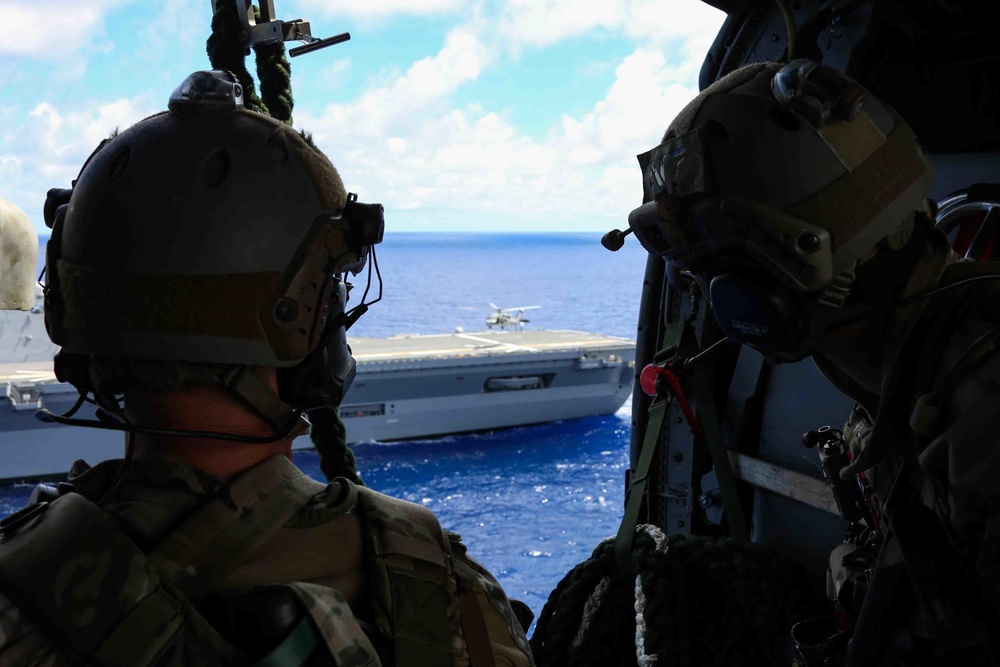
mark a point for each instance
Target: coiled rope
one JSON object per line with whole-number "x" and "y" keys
{"x": 696, "y": 601}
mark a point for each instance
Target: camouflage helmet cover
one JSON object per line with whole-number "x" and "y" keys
{"x": 201, "y": 236}
{"x": 800, "y": 183}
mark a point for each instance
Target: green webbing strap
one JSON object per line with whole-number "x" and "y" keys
{"x": 710, "y": 425}
{"x": 413, "y": 595}
{"x": 296, "y": 648}
{"x": 707, "y": 416}
{"x": 243, "y": 381}
{"x": 637, "y": 485}
{"x": 637, "y": 488}
{"x": 93, "y": 593}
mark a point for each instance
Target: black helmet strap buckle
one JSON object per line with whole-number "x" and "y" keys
{"x": 242, "y": 381}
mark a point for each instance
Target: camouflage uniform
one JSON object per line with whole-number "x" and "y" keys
{"x": 937, "y": 410}
{"x": 168, "y": 570}
{"x": 325, "y": 547}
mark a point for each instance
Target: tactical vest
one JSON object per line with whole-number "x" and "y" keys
{"x": 958, "y": 333}
{"x": 72, "y": 572}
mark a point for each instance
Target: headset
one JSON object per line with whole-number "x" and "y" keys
{"x": 320, "y": 379}
{"x": 775, "y": 279}
{"x": 753, "y": 307}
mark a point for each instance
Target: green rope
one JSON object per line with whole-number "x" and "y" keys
{"x": 708, "y": 602}
{"x": 329, "y": 437}
{"x": 275, "y": 74}
{"x": 226, "y": 51}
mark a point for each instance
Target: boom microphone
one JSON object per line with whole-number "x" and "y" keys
{"x": 615, "y": 239}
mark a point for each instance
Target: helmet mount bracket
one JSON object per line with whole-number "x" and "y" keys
{"x": 271, "y": 30}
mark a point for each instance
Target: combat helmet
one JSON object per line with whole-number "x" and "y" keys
{"x": 769, "y": 187}
{"x": 202, "y": 241}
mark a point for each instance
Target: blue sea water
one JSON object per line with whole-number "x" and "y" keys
{"x": 530, "y": 502}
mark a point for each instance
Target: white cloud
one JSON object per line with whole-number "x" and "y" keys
{"x": 376, "y": 8}
{"x": 406, "y": 142}
{"x": 47, "y": 148}
{"x": 334, "y": 74}
{"x": 393, "y": 109}
{"x": 172, "y": 34}
{"x": 544, "y": 22}
{"x": 417, "y": 153}
{"x": 54, "y": 29}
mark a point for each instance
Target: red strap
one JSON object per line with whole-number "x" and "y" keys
{"x": 678, "y": 391}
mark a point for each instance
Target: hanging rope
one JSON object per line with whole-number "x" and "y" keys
{"x": 275, "y": 74}
{"x": 329, "y": 437}
{"x": 696, "y": 601}
{"x": 226, "y": 51}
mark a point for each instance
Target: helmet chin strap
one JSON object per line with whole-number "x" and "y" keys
{"x": 243, "y": 382}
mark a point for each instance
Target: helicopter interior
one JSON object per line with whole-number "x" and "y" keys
{"x": 934, "y": 61}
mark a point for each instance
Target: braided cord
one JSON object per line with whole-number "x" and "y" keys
{"x": 227, "y": 51}
{"x": 275, "y": 74}
{"x": 329, "y": 437}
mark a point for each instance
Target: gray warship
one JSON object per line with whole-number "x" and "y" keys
{"x": 408, "y": 386}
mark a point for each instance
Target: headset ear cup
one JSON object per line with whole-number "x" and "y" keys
{"x": 326, "y": 373}
{"x": 74, "y": 369}
{"x": 762, "y": 315}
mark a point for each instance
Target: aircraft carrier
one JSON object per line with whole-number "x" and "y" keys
{"x": 406, "y": 387}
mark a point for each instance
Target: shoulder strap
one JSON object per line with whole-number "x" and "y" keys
{"x": 67, "y": 559}
{"x": 206, "y": 547}
{"x": 415, "y": 591}
{"x": 337, "y": 626}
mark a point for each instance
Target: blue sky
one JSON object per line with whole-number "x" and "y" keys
{"x": 461, "y": 116}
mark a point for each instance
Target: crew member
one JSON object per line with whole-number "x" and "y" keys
{"x": 797, "y": 203}
{"x": 196, "y": 284}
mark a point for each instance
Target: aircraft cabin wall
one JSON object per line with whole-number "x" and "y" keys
{"x": 937, "y": 62}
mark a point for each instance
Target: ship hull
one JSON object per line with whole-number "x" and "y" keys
{"x": 406, "y": 387}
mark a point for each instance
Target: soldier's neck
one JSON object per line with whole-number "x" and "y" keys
{"x": 201, "y": 408}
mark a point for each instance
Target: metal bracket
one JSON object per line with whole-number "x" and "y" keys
{"x": 271, "y": 30}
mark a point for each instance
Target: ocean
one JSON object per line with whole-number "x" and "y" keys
{"x": 529, "y": 502}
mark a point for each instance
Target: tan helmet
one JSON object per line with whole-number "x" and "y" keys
{"x": 792, "y": 170}
{"x": 18, "y": 258}
{"x": 208, "y": 234}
